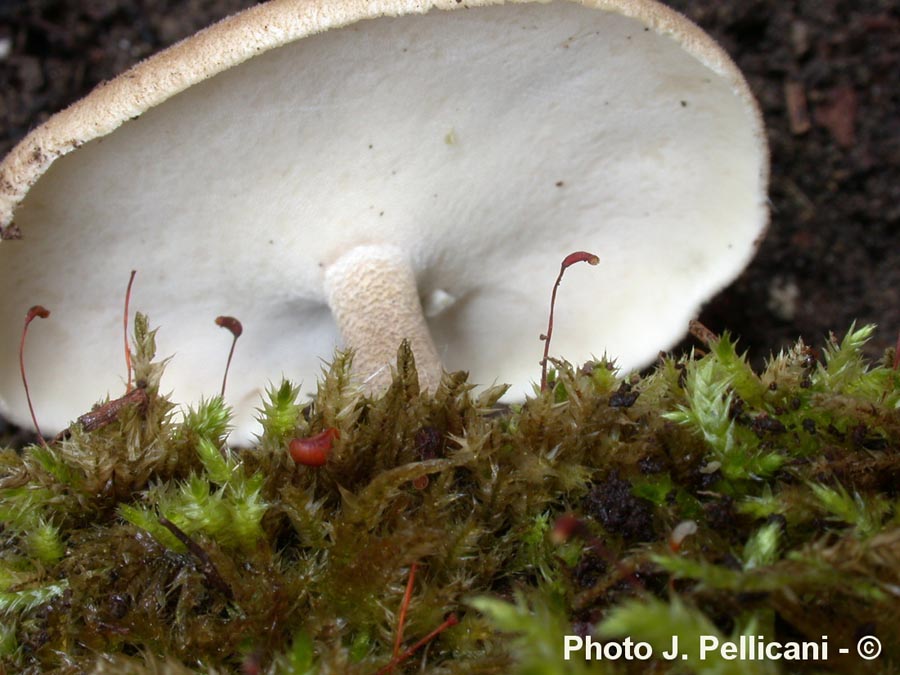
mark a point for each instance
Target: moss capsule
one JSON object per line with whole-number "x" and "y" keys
{"x": 314, "y": 451}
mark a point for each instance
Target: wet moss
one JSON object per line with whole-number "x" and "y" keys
{"x": 701, "y": 497}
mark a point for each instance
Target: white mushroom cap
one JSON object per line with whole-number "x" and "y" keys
{"x": 462, "y": 153}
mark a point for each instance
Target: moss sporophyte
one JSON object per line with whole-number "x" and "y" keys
{"x": 700, "y": 501}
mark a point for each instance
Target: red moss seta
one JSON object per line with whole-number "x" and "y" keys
{"x": 448, "y": 623}
{"x": 36, "y": 312}
{"x": 568, "y": 261}
{"x": 236, "y": 329}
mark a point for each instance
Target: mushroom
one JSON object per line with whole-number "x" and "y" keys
{"x": 339, "y": 172}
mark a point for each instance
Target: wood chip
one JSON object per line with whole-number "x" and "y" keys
{"x": 798, "y": 112}
{"x": 838, "y": 115}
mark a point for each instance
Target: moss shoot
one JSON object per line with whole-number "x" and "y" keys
{"x": 701, "y": 499}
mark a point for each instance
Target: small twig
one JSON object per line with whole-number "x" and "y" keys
{"x": 206, "y": 564}
{"x": 571, "y": 259}
{"x": 797, "y": 108}
{"x": 125, "y": 327}
{"x": 35, "y": 312}
{"x": 701, "y": 332}
{"x": 451, "y": 621}
{"x": 236, "y": 329}
{"x": 107, "y": 413}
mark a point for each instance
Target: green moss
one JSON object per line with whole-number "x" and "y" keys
{"x": 146, "y": 545}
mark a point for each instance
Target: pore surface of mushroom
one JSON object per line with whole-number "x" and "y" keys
{"x": 401, "y": 171}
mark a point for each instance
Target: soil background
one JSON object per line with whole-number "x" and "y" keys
{"x": 826, "y": 74}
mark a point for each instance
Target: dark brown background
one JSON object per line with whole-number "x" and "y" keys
{"x": 833, "y": 251}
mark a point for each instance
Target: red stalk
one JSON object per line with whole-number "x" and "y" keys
{"x": 401, "y": 620}
{"x": 568, "y": 261}
{"x": 235, "y": 327}
{"x": 35, "y": 312}
{"x": 451, "y": 621}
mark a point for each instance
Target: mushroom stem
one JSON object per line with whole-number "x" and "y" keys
{"x": 372, "y": 293}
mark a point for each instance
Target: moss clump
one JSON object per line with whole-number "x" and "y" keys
{"x": 146, "y": 545}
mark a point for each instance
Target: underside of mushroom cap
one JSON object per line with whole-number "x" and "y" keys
{"x": 485, "y": 144}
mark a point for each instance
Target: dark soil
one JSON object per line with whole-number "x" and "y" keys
{"x": 826, "y": 73}
{"x": 832, "y": 254}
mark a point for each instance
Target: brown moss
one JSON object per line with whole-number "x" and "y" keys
{"x": 475, "y": 498}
